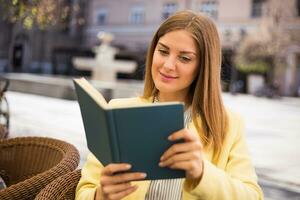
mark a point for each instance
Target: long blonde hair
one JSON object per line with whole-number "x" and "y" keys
{"x": 205, "y": 91}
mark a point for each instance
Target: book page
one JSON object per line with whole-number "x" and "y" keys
{"x": 93, "y": 92}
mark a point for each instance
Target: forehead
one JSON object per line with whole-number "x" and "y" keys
{"x": 181, "y": 40}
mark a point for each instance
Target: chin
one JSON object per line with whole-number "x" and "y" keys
{"x": 165, "y": 88}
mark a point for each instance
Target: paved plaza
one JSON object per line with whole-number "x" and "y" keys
{"x": 272, "y": 129}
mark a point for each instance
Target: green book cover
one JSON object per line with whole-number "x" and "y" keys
{"x": 136, "y": 134}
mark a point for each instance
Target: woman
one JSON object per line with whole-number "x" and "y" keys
{"x": 183, "y": 64}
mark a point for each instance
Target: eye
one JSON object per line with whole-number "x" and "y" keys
{"x": 184, "y": 59}
{"x": 163, "y": 52}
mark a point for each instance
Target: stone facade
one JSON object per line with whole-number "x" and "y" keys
{"x": 133, "y": 23}
{"x": 23, "y": 50}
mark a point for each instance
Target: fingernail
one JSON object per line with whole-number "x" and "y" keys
{"x": 170, "y": 137}
{"x": 143, "y": 175}
{"x": 128, "y": 166}
{"x": 160, "y": 164}
{"x": 162, "y": 157}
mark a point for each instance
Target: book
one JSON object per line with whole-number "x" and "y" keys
{"x": 134, "y": 134}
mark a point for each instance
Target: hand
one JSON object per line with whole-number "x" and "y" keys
{"x": 117, "y": 186}
{"x": 186, "y": 156}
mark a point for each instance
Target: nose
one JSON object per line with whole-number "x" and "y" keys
{"x": 170, "y": 63}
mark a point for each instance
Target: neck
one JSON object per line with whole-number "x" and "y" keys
{"x": 166, "y": 97}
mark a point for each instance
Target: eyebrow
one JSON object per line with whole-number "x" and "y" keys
{"x": 165, "y": 46}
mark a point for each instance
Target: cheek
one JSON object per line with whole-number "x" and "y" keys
{"x": 156, "y": 63}
{"x": 192, "y": 74}
{"x": 195, "y": 73}
{"x": 155, "y": 60}
{"x": 153, "y": 68}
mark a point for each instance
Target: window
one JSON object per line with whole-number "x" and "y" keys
{"x": 101, "y": 17}
{"x": 168, "y": 10}
{"x": 137, "y": 14}
{"x": 210, "y": 8}
{"x": 257, "y": 6}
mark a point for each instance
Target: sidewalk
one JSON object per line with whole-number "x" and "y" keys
{"x": 272, "y": 130}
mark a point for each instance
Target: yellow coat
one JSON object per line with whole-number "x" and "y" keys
{"x": 231, "y": 177}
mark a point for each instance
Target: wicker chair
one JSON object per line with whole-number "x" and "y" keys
{"x": 62, "y": 188}
{"x": 30, "y": 163}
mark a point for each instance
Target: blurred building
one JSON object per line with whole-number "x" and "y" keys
{"x": 5, "y": 40}
{"x": 133, "y": 23}
{"x": 36, "y": 50}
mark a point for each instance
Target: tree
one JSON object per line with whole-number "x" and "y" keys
{"x": 40, "y": 13}
{"x": 260, "y": 52}
{"x": 45, "y": 20}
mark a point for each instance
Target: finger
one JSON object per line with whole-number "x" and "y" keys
{"x": 122, "y": 194}
{"x": 184, "y": 165}
{"x": 185, "y": 134}
{"x": 115, "y": 167}
{"x": 192, "y": 169}
{"x": 122, "y": 178}
{"x": 180, "y": 148}
{"x": 188, "y": 156}
{"x": 116, "y": 188}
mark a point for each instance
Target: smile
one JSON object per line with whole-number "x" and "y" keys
{"x": 168, "y": 76}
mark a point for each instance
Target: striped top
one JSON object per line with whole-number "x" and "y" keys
{"x": 168, "y": 189}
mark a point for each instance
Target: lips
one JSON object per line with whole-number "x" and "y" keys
{"x": 167, "y": 76}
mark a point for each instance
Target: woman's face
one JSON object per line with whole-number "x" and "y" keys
{"x": 175, "y": 64}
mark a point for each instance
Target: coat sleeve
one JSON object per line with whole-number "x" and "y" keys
{"x": 90, "y": 176}
{"x": 237, "y": 180}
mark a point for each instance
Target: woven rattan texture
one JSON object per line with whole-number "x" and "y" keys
{"x": 62, "y": 188}
{"x": 33, "y": 162}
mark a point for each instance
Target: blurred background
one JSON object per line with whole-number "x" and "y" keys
{"x": 45, "y": 43}
{"x": 260, "y": 38}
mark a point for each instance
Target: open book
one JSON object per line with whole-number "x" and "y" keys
{"x": 136, "y": 134}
